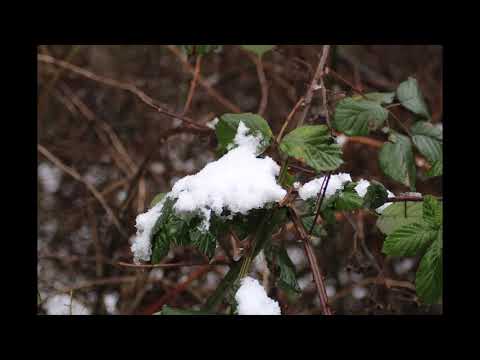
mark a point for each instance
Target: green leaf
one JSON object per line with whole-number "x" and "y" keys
{"x": 226, "y": 129}
{"x": 426, "y": 128}
{"x": 278, "y": 256}
{"x": 376, "y": 195}
{"x": 167, "y": 310}
{"x": 436, "y": 169}
{"x": 397, "y": 161}
{"x": 358, "y": 117}
{"x": 201, "y": 49}
{"x": 432, "y": 211}
{"x": 347, "y": 200}
{"x": 381, "y": 98}
{"x": 409, "y": 94}
{"x": 408, "y": 240}
{"x": 428, "y": 140}
{"x": 313, "y": 145}
{"x": 258, "y": 49}
{"x": 317, "y": 231}
{"x": 429, "y": 278}
{"x": 157, "y": 199}
{"x": 204, "y": 241}
{"x": 399, "y": 214}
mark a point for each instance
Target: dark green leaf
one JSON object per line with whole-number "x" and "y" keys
{"x": 314, "y": 146}
{"x": 358, "y": 117}
{"x": 397, "y": 161}
{"x": 258, "y": 49}
{"x": 204, "y": 241}
{"x": 376, "y": 195}
{"x": 409, "y": 94}
{"x": 408, "y": 240}
{"x": 284, "y": 266}
{"x": 428, "y": 140}
{"x": 227, "y": 126}
{"x": 426, "y": 128}
{"x": 436, "y": 169}
{"x": 429, "y": 278}
{"x": 347, "y": 200}
{"x": 399, "y": 214}
{"x": 381, "y": 98}
{"x": 201, "y": 49}
{"x": 167, "y": 310}
{"x": 432, "y": 211}
{"x": 318, "y": 230}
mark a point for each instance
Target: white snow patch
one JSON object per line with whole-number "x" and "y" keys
{"x": 50, "y": 177}
{"x": 141, "y": 245}
{"x": 238, "y": 182}
{"x": 60, "y": 305}
{"x": 312, "y": 188}
{"x": 253, "y": 300}
{"x": 403, "y": 266}
{"x": 362, "y": 187}
{"x": 211, "y": 124}
{"x": 341, "y": 139}
{"x": 110, "y": 301}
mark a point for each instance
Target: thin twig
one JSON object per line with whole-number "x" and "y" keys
{"x": 314, "y": 84}
{"x": 73, "y": 173}
{"x": 289, "y": 117}
{"x": 119, "y": 85}
{"x": 257, "y": 60}
{"x": 212, "y": 92}
{"x": 193, "y": 84}
{"x": 317, "y": 275}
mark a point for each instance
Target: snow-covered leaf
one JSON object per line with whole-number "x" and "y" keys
{"x": 409, "y": 94}
{"x": 226, "y": 130}
{"x": 356, "y": 117}
{"x": 376, "y": 195}
{"x": 313, "y": 145}
{"x": 397, "y": 160}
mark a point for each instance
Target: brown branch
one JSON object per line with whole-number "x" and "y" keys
{"x": 314, "y": 84}
{"x": 73, "y": 173}
{"x": 119, "y": 85}
{"x": 289, "y": 117}
{"x": 317, "y": 275}
{"x": 212, "y": 92}
{"x": 218, "y": 261}
{"x": 257, "y": 60}
{"x": 193, "y": 84}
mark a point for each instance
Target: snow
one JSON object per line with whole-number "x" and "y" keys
{"x": 60, "y": 305}
{"x": 110, "y": 301}
{"x": 341, "y": 139}
{"x": 361, "y": 190}
{"x": 141, "y": 245}
{"x": 237, "y": 182}
{"x": 362, "y": 187}
{"x": 312, "y": 188}
{"x": 359, "y": 292}
{"x": 50, "y": 177}
{"x": 252, "y": 299}
{"x": 212, "y": 124}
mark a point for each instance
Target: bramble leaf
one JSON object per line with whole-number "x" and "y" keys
{"x": 409, "y": 94}
{"x": 408, "y": 240}
{"x": 399, "y": 214}
{"x": 358, "y": 117}
{"x": 376, "y": 195}
{"x": 397, "y": 161}
{"x": 313, "y": 145}
{"x": 227, "y": 126}
{"x": 258, "y": 49}
{"x": 429, "y": 278}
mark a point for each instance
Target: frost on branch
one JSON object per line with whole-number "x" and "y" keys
{"x": 252, "y": 299}
{"x": 237, "y": 182}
